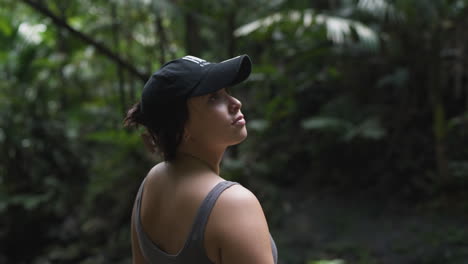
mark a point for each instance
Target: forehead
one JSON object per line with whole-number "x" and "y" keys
{"x": 197, "y": 101}
{"x": 202, "y": 100}
{"x": 201, "y": 97}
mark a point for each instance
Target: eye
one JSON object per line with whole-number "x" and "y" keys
{"x": 213, "y": 96}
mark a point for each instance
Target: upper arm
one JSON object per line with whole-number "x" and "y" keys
{"x": 137, "y": 256}
{"x": 241, "y": 228}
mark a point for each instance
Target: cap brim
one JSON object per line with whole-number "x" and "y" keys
{"x": 224, "y": 74}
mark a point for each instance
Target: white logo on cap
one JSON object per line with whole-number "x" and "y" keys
{"x": 198, "y": 61}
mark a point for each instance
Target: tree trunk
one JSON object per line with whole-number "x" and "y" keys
{"x": 439, "y": 122}
{"x": 192, "y": 34}
{"x": 119, "y": 69}
{"x": 63, "y": 50}
{"x": 162, "y": 37}
{"x": 231, "y": 25}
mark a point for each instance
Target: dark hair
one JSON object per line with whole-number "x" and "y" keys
{"x": 165, "y": 125}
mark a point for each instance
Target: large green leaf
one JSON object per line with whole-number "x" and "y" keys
{"x": 339, "y": 29}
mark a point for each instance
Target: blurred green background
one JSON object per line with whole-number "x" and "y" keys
{"x": 356, "y": 110}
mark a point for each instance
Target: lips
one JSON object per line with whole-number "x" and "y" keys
{"x": 239, "y": 120}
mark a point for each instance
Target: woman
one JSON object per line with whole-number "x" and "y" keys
{"x": 185, "y": 212}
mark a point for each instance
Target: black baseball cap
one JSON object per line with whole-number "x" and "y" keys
{"x": 191, "y": 76}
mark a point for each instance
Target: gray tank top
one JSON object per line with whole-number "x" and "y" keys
{"x": 193, "y": 250}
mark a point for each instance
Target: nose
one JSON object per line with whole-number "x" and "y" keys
{"x": 235, "y": 105}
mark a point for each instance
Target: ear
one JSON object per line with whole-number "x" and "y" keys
{"x": 186, "y": 135}
{"x": 149, "y": 142}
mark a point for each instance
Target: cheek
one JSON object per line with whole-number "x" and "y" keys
{"x": 215, "y": 122}
{"x": 214, "y": 127}
{"x": 204, "y": 125}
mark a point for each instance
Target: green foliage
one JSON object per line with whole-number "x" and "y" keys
{"x": 352, "y": 95}
{"x": 339, "y": 30}
{"x": 368, "y": 129}
{"x": 333, "y": 261}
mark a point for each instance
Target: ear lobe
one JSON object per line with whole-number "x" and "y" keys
{"x": 149, "y": 142}
{"x": 186, "y": 136}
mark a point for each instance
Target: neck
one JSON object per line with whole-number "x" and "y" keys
{"x": 210, "y": 159}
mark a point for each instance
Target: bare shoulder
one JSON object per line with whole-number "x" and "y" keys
{"x": 158, "y": 169}
{"x": 237, "y": 206}
{"x": 240, "y": 227}
{"x": 237, "y": 197}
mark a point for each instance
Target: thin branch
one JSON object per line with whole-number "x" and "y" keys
{"x": 120, "y": 73}
{"x": 99, "y": 46}
{"x": 160, "y": 30}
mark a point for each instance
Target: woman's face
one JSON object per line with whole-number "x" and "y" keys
{"x": 215, "y": 119}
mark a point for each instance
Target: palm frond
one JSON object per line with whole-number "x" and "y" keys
{"x": 339, "y": 30}
{"x": 381, "y": 9}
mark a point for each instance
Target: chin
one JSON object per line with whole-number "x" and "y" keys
{"x": 242, "y": 136}
{"x": 239, "y": 137}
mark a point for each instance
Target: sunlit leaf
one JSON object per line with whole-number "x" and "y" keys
{"x": 339, "y": 30}
{"x": 368, "y": 129}
{"x": 381, "y": 9}
{"x": 325, "y": 123}
{"x": 331, "y": 261}
{"x": 32, "y": 33}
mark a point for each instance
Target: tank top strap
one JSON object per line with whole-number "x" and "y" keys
{"x": 205, "y": 209}
{"x": 140, "y": 190}
{"x": 148, "y": 249}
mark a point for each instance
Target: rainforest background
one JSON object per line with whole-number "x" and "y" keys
{"x": 357, "y": 114}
